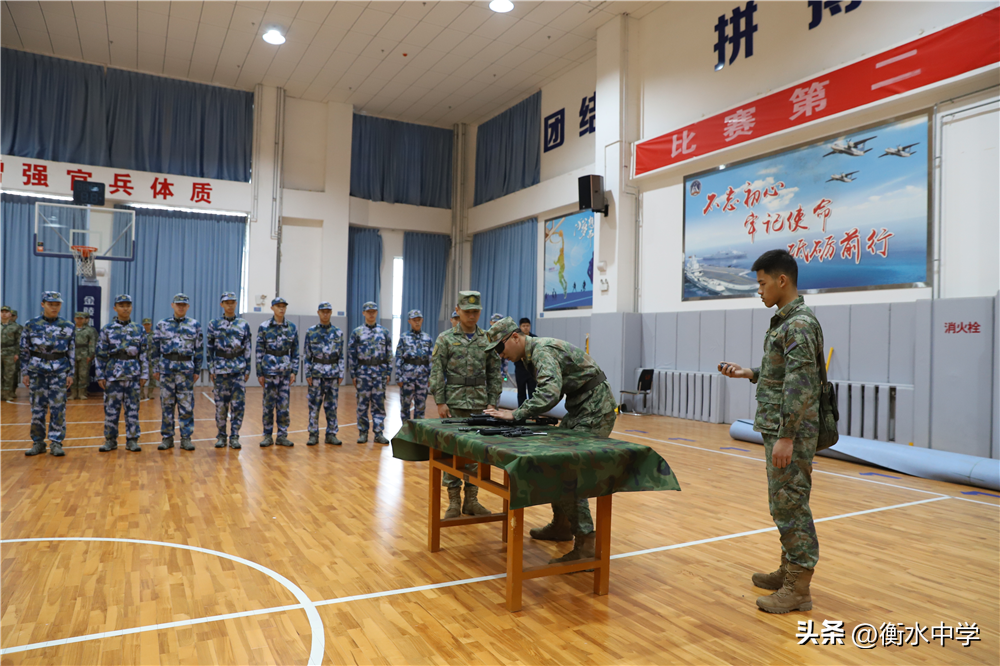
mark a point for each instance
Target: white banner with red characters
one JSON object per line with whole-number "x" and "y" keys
{"x": 852, "y": 209}
{"x": 942, "y": 55}
{"x": 124, "y": 185}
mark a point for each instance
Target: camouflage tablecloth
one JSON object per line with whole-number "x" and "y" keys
{"x": 544, "y": 468}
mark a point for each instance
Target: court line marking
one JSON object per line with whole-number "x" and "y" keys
{"x": 315, "y": 621}
{"x": 208, "y": 397}
{"x": 388, "y": 593}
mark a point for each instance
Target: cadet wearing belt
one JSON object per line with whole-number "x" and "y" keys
{"x": 277, "y": 365}
{"x": 177, "y": 359}
{"x": 560, "y": 369}
{"x": 370, "y": 349}
{"x": 323, "y": 366}
{"x": 86, "y": 348}
{"x": 464, "y": 379}
{"x": 413, "y": 367}
{"x": 121, "y": 369}
{"x": 227, "y": 356}
{"x": 48, "y": 347}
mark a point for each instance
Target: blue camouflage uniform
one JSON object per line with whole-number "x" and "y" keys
{"x": 177, "y": 347}
{"x": 413, "y": 369}
{"x": 227, "y": 355}
{"x": 370, "y": 351}
{"x": 323, "y": 363}
{"x": 48, "y": 358}
{"x": 121, "y": 361}
{"x": 277, "y": 360}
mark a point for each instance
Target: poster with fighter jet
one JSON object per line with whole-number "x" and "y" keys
{"x": 569, "y": 262}
{"x": 852, "y": 208}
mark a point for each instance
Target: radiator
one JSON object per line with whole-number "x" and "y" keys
{"x": 882, "y": 412}
{"x": 687, "y": 395}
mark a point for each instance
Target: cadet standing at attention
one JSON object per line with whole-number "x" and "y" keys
{"x": 413, "y": 367}
{"x": 370, "y": 349}
{"x": 464, "y": 379}
{"x": 48, "y": 346}
{"x": 10, "y": 343}
{"x": 177, "y": 356}
{"x": 227, "y": 355}
{"x": 86, "y": 348}
{"x": 146, "y": 392}
{"x": 323, "y": 363}
{"x": 560, "y": 369}
{"x": 277, "y": 365}
{"x": 788, "y": 392}
{"x": 122, "y": 368}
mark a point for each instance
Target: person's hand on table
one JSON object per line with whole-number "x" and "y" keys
{"x": 505, "y": 414}
{"x": 444, "y": 412}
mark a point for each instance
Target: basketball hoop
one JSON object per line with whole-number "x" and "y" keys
{"x": 83, "y": 255}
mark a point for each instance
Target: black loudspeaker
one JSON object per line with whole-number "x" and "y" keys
{"x": 86, "y": 193}
{"x": 591, "y": 189}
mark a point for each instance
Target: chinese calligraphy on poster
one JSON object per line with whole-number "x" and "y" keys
{"x": 569, "y": 262}
{"x": 851, "y": 208}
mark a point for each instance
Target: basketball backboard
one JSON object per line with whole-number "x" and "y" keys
{"x": 58, "y": 227}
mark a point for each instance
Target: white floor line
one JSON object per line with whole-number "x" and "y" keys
{"x": 966, "y": 499}
{"x": 69, "y": 423}
{"x": 208, "y": 397}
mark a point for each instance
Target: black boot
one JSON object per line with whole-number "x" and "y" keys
{"x": 36, "y": 448}
{"x": 313, "y": 439}
{"x": 167, "y": 443}
{"x": 234, "y": 442}
{"x": 56, "y": 450}
{"x": 267, "y": 441}
{"x": 186, "y": 444}
{"x": 132, "y": 445}
{"x": 332, "y": 439}
{"x": 109, "y": 445}
{"x": 220, "y": 441}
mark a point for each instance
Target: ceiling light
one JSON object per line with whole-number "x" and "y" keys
{"x": 501, "y": 6}
{"x": 272, "y": 36}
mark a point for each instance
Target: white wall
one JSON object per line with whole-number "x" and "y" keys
{"x": 404, "y": 217}
{"x": 301, "y": 247}
{"x": 392, "y": 246}
{"x": 566, "y": 93}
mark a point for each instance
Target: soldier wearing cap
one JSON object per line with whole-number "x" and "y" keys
{"x": 121, "y": 369}
{"x": 177, "y": 346}
{"x": 560, "y": 369}
{"x": 323, "y": 365}
{"x": 464, "y": 379}
{"x": 503, "y": 364}
{"x": 86, "y": 348}
{"x": 277, "y": 365}
{"x": 10, "y": 343}
{"x": 48, "y": 348}
{"x": 454, "y": 318}
{"x": 146, "y": 392}
{"x": 227, "y": 355}
{"x": 370, "y": 349}
{"x": 413, "y": 367}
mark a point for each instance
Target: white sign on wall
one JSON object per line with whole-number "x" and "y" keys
{"x": 569, "y": 117}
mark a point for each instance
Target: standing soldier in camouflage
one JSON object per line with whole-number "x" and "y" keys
{"x": 277, "y": 365}
{"x": 465, "y": 379}
{"x": 177, "y": 356}
{"x": 227, "y": 355}
{"x": 370, "y": 349}
{"x": 323, "y": 365}
{"x": 122, "y": 368}
{"x": 86, "y": 348}
{"x": 146, "y": 392}
{"x": 788, "y": 392}
{"x": 560, "y": 369}
{"x": 10, "y": 343}
{"x": 48, "y": 347}
{"x": 413, "y": 367}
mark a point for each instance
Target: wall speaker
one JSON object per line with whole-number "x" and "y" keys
{"x": 591, "y": 190}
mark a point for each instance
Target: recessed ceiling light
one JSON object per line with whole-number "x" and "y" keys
{"x": 501, "y": 6}
{"x": 272, "y": 36}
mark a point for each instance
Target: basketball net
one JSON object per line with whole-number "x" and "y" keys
{"x": 83, "y": 255}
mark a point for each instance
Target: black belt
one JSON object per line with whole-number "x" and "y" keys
{"x": 123, "y": 355}
{"x": 374, "y": 361}
{"x": 47, "y": 356}
{"x": 177, "y": 357}
{"x": 326, "y": 360}
{"x": 229, "y": 355}
{"x": 589, "y": 386}
{"x": 279, "y": 351}
{"x": 455, "y": 380}
{"x": 416, "y": 361}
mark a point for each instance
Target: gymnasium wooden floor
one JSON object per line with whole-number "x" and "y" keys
{"x": 280, "y": 556}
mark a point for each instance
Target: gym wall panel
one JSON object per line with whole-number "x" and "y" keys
{"x": 648, "y": 340}
{"x": 738, "y": 392}
{"x": 606, "y": 345}
{"x": 869, "y": 346}
{"x": 713, "y": 340}
{"x": 836, "y": 323}
{"x": 922, "y": 373}
{"x": 688, "y": 340}
{"x": 902, "y": 338}
{"x": 760, "y": 322}
{"x": 996, "y": 376}
{"x": 665, "y": 354}
{"x": 584, "y": 331}
{"x": 631, "y": 350}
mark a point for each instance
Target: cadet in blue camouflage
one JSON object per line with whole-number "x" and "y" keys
{"x": 86, "y": 348}
{"x": 10, "y": 353}
{"x": 147, "y": 391}
{"x": 370, "y": 351}
{"x": 48, "y": 356}
{"x": 277, "y": 365}
{"x": 177, "y": 347}
{"x": 413, "y": 367}
{"x": 121, "y": 369}
{"x": 323, "y": 366}
{"x": 227, "y": 355}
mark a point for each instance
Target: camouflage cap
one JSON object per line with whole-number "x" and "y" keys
{"x": 278, "y": 300}
{"x": 369, "y": 305}
{"x": 51, "y": 297}
{"x": 469, "y": 300}
{"x": 325, "y": 305}
{"x": 495, "y": 318}
{"x": 6, "y": 308}
{"x": 181, "y": 298}
{"x": 81, "y": 315}
{"x": 228, "y": 296}
{"x": 147, "y": 320}
{"x": 125, "y": 298}
{"x": 499, "y": 331}
{"x": 414, "y": 314}
{"x": 13, "y": 313}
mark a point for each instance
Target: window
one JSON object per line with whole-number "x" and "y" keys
{"x": 397, "y": 300}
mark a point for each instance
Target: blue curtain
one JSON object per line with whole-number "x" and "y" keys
{"x": 508, "y": 151}
{"x": 504, "y": 270}
{"x": 425, "y": 267}
{"x": 399, "y": 162}
{"x": 26, "y": 276}
{"x": 364, "y": 273}
{"x": 52, "y": 109}
{"x": 170, "y": 126}
{"x": 198, "y": 254}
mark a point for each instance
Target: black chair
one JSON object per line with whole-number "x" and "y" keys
{"x": 644, "y": 387}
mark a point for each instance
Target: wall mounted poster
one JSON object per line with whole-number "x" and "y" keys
{"x": 569, "y": 262}
{"x": 853, "y": 210}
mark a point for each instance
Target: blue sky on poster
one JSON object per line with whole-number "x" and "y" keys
{"x": 576, "y": 242}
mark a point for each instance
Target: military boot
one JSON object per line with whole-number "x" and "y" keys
{"x": 454, "y": 502}
{"x": 380, "y": 439}
{"x": 220, "y": 441}
{"x": 56, "y": 449}
{"x": 332, "y": 439}
{"x": 167, "y": 443}
{"x": 471, "y": 506}
{"x": 773, "y": 580}
{"x": 36, "y": 448}
{"x": 132, "y": 445}
{"x": 558, "y": 530}
{"x": 267, "y": 441}
{"x": 794, "y": 592}
{"x": 362, "y": 438}
{"x": 109, "y": 445}
{"x": 186, "y": 444}
{"x": 313, "y": 439}
{"x": 583, "y": 548}
{"x": 284, "y": 441}
{"x": 234, "y": 442}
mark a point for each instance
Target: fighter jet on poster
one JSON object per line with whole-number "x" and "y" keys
{"x": 843, "y": 177}
{"x": 852, "y": 148}
{"x": 900, "y": 151}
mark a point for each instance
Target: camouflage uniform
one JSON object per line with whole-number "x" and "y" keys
{"x": 86, "y": 348}
{"x": 370, "y": 351}
{"x": 413, "y": 369}
{"x": 10, "y": 342}
{"x": 788, "y": 389}
{"x": 48, "y": 350}
{"x": 177, "y": 348}
{"x": 227, "y": 355}
{"x": 146, "y": 392}
{"x": 323, "y": 363}
{"x": 121, "y": 362}
{"x": 504, "y": 377}
{"x": 277, "y": 360}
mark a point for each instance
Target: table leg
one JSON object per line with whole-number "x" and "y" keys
{"x": 506, "y": 508}
{"x": 515, "y": 563}
{"x": 434, "y": 508}
{"x": 602, "y": 548}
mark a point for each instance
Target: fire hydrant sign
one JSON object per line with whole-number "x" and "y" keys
{"x": 852, "y": 209}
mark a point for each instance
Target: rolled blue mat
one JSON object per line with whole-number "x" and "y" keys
{"x": 508, "y": 400}
{"x": 912, "y": 460}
